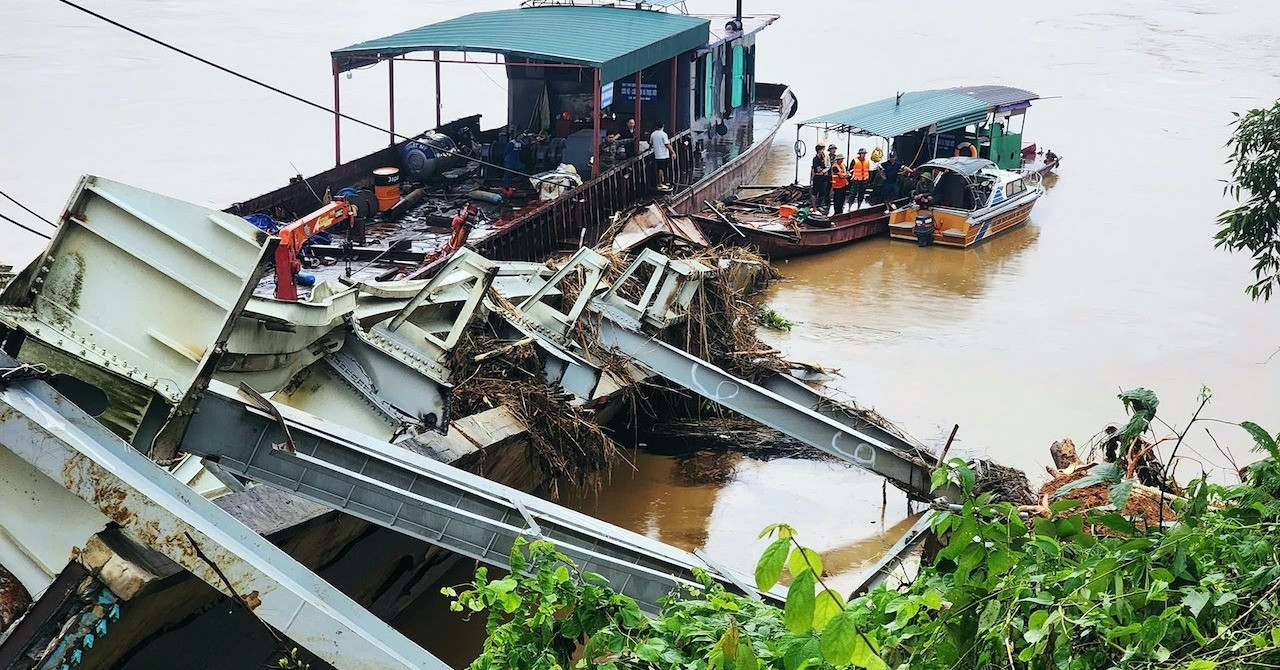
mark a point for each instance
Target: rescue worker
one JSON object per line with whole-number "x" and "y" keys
{"x": 831, "y": 161}
{"x": 861, "y": 172}
{"x": 839, "y": 184}
{"x": 819, "y": 178}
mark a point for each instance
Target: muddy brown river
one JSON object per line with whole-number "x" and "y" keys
{"x": 1021, "y": 341}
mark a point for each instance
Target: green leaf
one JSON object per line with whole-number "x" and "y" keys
{"x": 784, "y": 531}
{"x": 1045, "y": 527}
{"x": 802, "y": 651}
{"x": 1202, "y": 665}
{"x": 1098, "y": 474}
{"x": 1070, "y": 526}
{"x": 769, "y": 567}
{"x": 1037, "y": 628}
{"x": 796, "y": 562}
{"x": 864, "y": 656}
{"x": 1195, "y": 601}
{"x": 517, "y": 559}
{"x": 1064, "y": 505}
{"x": 746, "y": 659}
{"x": 651, "y": 650}
{"x": 798, "y": 612}
{"x": 1262, "y": 440}
{"x": 826, "y": 606}
{"x": 839, "y": 639}
{"x": 1116, "y": 523}
{"x": 1118, "y": 494}
{"x": 932, "y": 599}
{"x": 938, "y": 479}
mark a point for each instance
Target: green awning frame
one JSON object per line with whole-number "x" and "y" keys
{"x": 617, "y": 41}
{"x": 939, "y": 110}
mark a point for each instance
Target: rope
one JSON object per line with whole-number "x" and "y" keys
{"x": 23, "y": 372}
{"x": 275, "y": 89}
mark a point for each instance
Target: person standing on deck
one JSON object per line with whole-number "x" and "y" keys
{"x": 661, "y": 144}
{"x": 831, "y": 162}
{"x": 511, "y": 161}
{"x": 819, "y": 181}
{"x": 890, "y": 170}
{"x": 839, "y": 184}
{"x": 626, "y": 139}
{"x": 861, "y": 170}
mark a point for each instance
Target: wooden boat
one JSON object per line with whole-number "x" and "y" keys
{"x": 962, "y": 201}
{"x": 777, "y": 227}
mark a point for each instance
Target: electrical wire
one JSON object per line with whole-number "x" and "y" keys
{"x": 276, "y": 89}
{"x": 27, "y": 209}
{"x": 33, "y": 231}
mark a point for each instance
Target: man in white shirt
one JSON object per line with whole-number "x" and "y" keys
{"x": 661, "y": 144}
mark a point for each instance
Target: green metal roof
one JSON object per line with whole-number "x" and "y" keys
{"x": 948, "y": 108}
{"x": 617, "y": 41}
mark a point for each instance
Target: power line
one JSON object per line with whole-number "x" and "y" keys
{"x": 27, "y": 209}
{"x": 275, "y": 89}
{"x": 33, "y": 231}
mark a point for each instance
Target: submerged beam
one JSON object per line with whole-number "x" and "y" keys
{"x": 448, "y": 507}
{"x": 905, "y": 469}
{"x": 155, "y": 509}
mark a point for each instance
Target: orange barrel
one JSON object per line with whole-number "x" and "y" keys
{"x": 386, "y": 187}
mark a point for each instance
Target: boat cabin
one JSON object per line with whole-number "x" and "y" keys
{"x": 577, "y": 71}
{"x": 983, "y": 122}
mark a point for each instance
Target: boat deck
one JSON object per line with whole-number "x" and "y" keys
{"x": 397, "y": 249}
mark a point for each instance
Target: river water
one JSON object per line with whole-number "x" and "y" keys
{"x": 1021, "y": 341}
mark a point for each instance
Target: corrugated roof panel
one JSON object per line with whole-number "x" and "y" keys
{"x": 891, "y": 117}
{"x": 616, "y": 40}
{"x": 948, "y": 108}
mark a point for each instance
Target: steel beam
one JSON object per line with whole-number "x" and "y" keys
{"x": 802, "y": 394}
{"x": 71, "y": 448}
{"x": 904, "y": 470}
{"x": 413, "y": 494}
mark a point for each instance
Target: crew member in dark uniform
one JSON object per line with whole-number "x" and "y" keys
{"x": 819, "y": 178}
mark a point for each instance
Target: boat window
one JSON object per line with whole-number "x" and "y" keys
{"x": 1014, "y": 187}
{"x": 1016, "y": 119}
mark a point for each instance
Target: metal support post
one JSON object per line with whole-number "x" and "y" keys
{"x": 595, "y": 123}
{"x": 391, "y": 99}
{"x": 337, "y": 116}
{"x": 439, "y": 122}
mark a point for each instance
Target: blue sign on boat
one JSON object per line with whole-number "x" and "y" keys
{"x": 627, "y": 91}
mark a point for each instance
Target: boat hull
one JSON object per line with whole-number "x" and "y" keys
{"x": 902, "y": 222}
{"x": 743, "y": 169}
{"x": 802, "y": 240}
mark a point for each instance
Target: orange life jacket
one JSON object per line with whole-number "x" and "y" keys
{"x": 839, "y": 176}
{"x": 861, "y": 169}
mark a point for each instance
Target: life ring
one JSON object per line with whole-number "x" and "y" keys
{"x": 973, "y": 150}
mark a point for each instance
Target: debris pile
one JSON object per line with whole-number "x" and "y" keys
{"x": 567, "y": 442}
{"x": 1146, "y": 504}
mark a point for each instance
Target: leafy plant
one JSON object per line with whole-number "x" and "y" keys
{"x": 772, "y": 319}
{"x": 1003, "y": 591}
{"x": 1254, "y": 224}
